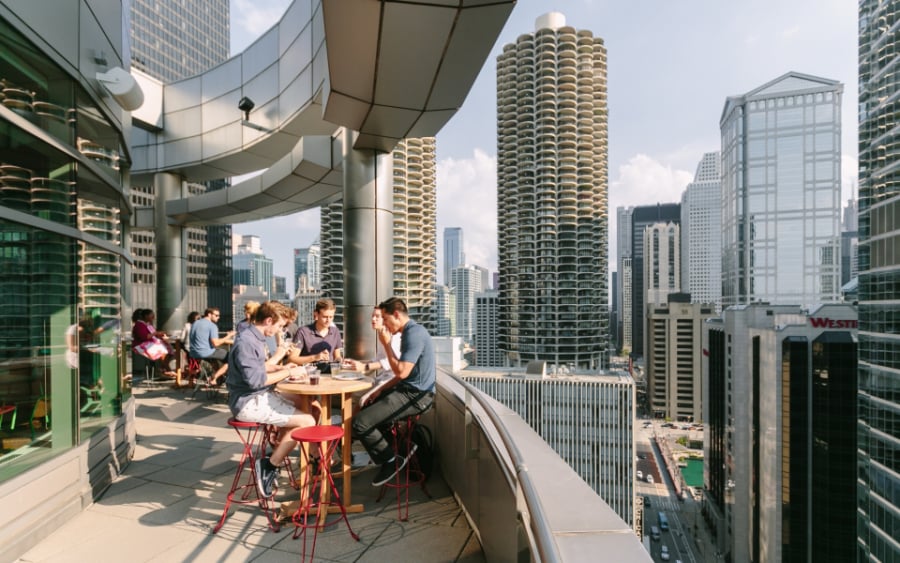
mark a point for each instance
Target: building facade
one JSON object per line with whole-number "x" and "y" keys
{"x": 487, "y": 349}
{"x": 453, "y": 251}
{"x": 781, "y": 174}
{"x": 701, "y": 228}
{"x": 552, "y": 196}
{"x": 466, "y": 283}
{"x": 878, "y": 478}
{"x": 674, "y": 354}
{"x": 587, "y": 419}
{"x": 781, "y": 434}
{"x": 850, "y": 243}
{"x": 662, "y": 266}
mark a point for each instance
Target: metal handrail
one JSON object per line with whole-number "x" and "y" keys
{"x": 540, "y": 529}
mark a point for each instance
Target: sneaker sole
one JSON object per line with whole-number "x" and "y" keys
{"x": 257, "y": 466}
{"x": 393, "y": 474}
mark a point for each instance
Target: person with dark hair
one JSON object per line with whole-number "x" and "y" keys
{"x": 319, "y": 342}
{"x": 410, "y": 391}
{"x": 251, "y": 396}
{"x": 206, "y": 344}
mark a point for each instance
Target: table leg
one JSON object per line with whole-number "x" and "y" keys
{"x": 346, "y": 445}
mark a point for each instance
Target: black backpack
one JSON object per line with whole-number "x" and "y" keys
{"x": 425, "y": 454}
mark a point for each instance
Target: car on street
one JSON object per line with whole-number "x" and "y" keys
{"x": 664, "y": 552}
{"x": 647, "y": 501}
{"x": 650, "y": 478}
{"x": 640, "y": 475}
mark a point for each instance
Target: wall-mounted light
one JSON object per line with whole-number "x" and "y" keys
{"x": 245, "y": 105}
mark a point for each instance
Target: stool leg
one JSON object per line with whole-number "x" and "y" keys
{"x": 314, "y": 495}
{"x": 248, "y": 488}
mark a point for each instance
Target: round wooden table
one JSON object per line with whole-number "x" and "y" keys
{"x": 327, "y": 387}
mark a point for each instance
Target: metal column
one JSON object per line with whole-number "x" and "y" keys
{"x": 171, "y": 267}
{"x": 368, "y": 242}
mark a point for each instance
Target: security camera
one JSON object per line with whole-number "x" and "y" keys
{"x": 122, "y": 87}
{"x": 245, "y": 105}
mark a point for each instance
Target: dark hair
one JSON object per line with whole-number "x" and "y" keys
{"x": 392, "y": 305}
{"x": 137, "y": 315}
{"x": 193, "y": 316}
{"x": 210, "y": 310}
{"x": 145, "y": 314}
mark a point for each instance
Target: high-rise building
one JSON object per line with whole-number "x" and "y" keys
{"x": 170, "y": 52}
{"x": 444, "y": 305}
{"x": 466, "y": 283}
{"x": 662, "y": 263}
{"x": 632, "y": 223}
{"x": 878, "y": 427}
{"x": 454, "y": 254}
{"x": 415, "y": 209}
{"x": 781, "y": 174}
{"x": 588, "y": 420}
{"x": 306, "y": 266}
{"x": 701, "y": 233}
{"x": 552, "y": 196}
{"x": 487, "y": 350}
{"x": 780, "y": 468}
{"x": 850, "y": 243}
{"x": 615, "y": 323}
{"x": 251, "y": 267}
{"x": 674, "y": 354}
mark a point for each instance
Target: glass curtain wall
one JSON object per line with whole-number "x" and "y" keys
{"x": 61, "y": 259}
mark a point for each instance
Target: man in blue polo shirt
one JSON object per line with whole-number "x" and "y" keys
{"x": 409, "y": 392}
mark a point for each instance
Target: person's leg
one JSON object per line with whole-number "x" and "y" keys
{"x": 372, "y": 421}
{"x": 285, "y": 443}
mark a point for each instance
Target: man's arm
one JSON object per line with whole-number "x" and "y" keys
{"x": 227, "y": 339}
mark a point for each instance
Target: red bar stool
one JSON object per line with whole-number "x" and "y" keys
{"x": 411, "y": 475}
{"x": 252, "y": 436}
{"x": 313, "y": 509}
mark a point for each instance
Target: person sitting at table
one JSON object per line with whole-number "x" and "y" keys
{"x": 380, "y": 365}
{"x": 143, "y": 330}
{"x": 251, "y": 396}
{"x": 410, "y": 391}
{"x": 206, "y": 343}
{"x": 319, "y": 342}
{"x": 250, "y": 308}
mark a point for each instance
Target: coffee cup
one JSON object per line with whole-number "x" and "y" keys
{"x": 335, "y": 368}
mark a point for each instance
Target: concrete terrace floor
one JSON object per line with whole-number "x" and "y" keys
{"x": 165, "y": 504}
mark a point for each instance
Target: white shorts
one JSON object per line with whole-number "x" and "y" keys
{"x": 268, "y": 408}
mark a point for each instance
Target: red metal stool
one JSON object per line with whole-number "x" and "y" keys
{"x": 313, "y": 509}
{"x": 252, "y": 436}
{"x": 412, "y": 474}
{"x": 192, "y": 370}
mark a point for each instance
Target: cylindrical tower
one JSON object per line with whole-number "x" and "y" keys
{"x": 552, "y": 196}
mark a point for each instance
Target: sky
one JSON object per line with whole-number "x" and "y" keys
{"x": 671, "y": 65}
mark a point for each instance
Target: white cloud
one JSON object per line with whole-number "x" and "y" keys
{"x": 467, "y": 198}
{"x": 791, "y": 32}
{"x": 642, "y": 180}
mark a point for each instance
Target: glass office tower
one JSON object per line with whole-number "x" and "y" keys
{"x": 552, "y": 196}
{"x": 878, "y": 427}
{"x": 781, "y": 174}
